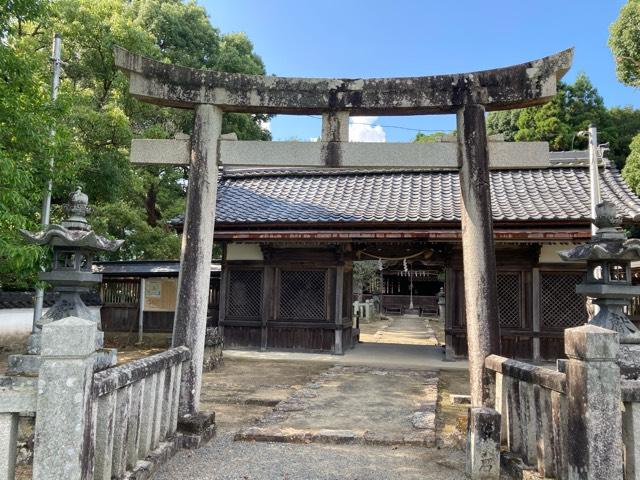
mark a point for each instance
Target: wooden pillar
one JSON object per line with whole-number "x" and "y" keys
{"x": 481, "y": 299}
{"x": 338, "y": 348}
{"x": 535, "y": 318}
{"x": 190, "y": 322}
{"x": 267, "y": 305}
{"x": 141, "y": 300}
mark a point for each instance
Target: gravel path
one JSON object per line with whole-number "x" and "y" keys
{"x": 224, "y": 459}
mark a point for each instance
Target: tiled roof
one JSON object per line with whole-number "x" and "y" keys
{"x": 363, "y": 196}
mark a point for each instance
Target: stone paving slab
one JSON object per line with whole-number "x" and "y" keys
{"x": 355, "y": 405}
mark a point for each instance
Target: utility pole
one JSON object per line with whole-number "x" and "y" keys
{"x": 594, "y": 174}
{"x": 46, "y": 201}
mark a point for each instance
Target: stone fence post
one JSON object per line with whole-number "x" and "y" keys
{"x": 63, "y": 431}
{"x": 593, "y": 404}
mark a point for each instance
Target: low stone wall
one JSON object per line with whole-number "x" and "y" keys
{"x": 565, "y": 425}
{"x": 121, "y": 422}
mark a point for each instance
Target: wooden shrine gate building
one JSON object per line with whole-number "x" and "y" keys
{"x": 290, "y": 238}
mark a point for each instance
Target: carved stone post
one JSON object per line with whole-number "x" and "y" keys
{"x": 593, "y": 404}
{"x": 63, "y": 429}
{"x": 481, "y": 298}
{"x": 190, "y": 323}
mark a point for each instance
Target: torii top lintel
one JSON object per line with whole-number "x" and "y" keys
{"x": 516, "y": 86}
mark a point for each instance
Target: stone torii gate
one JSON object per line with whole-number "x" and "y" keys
{"x": 210, "y": 93}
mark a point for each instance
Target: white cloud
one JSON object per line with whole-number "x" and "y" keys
{"x": 362, "y": 129}
{"x": 265, "y": 124}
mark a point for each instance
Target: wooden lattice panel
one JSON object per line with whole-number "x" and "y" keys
{"x": 560, "y": 306}
{"x": 302, "y": 295}
{"x": 509, "y": 298}
{"x": 245, "y": 294}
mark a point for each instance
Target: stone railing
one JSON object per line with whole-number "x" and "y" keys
{"x": 135, "y": 411}
{"x": 631, "y": 428}
{"x": 566, "y": 425}
{"x": 532, "y": 402}
{"x": 95, "y": 425}
{"x": 17, "y": 395}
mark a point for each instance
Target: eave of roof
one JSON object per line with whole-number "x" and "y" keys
{"x": 144, "y": 268}
{"x": 316, "y": 198}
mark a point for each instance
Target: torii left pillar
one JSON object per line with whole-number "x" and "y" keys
{"x": 189, "y": 325}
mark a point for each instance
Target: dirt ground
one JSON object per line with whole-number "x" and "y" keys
{"x": 243, "y": 391}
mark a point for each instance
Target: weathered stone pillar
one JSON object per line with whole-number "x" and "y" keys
{"x": 190, "y": 322}
{"x": 63, "y": 431}
{"x": 481, "y": 298}
{"x": 8, "y": 439}
{"x": 483, "y": 444}
{"x": 335, "y": 130}
{"x": 593, "y": 396}
{"x": 631, "y": 432}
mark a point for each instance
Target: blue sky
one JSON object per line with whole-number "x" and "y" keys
{"x": 378, "y": 38}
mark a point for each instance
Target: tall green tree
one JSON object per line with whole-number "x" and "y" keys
{"x": 572, "y": 110}
{"x": 631, "y": 170}
{"x": 31, "y": 133}
{"x": 95, "y": 118}
{"x": 504, "y": 122}
{"x": 624, "y": 41}
{"x": 574, "y": 107}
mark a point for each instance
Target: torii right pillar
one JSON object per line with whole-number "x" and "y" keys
{"x": 478, "y": 249}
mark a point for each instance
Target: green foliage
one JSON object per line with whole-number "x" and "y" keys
{"x": 624, "y": 41}
{"x": 431, "y": 137}
{"x": 365, "y": 274}
{"x": 573, "y": 109}
{"x": 504, "y": 122}
{"x": 631, "y": 170}
{"x": 26, "y": 145}
{"x": 94, "y": 118}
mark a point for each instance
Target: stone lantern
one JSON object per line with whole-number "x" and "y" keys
{"x": 609, "y": 254}
{"x": 74, "y": 245}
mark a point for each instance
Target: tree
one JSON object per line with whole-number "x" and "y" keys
{"x": 431, "y": 137}
{"x": 621, "y": 126}
{"x": 631, "y": 170}
{"x": 573, "y": 109}
{"x": 95, "y": 118}
{"x": 624, "y": 41}
{"x": 27, "y": 120}
{"x": 365, "y": 275}
{"x": 504, "y": 122}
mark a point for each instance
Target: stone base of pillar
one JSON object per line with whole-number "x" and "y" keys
{"x": 196, "y": 430}
{"x": 483, "y": 444}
